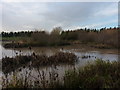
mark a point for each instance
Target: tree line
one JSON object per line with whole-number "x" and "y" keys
{"x": 58, "y": 36}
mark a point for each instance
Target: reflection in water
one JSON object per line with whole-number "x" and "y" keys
{"x": 26, "y": 51}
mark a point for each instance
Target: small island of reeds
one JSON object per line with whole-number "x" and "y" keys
{"x": 11, "y": 64}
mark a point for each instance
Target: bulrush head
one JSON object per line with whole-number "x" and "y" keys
{"x": 33, "y": 54}
{"x": 29, "y": 47}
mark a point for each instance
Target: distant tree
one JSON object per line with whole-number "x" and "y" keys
{"x": 54, "y": 38}
{"x": 40, "y": 38}
{"x": 56, "y": 30}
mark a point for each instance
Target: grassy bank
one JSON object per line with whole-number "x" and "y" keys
{"x": 101, "y": 74}
{"x": 12, "y": 38}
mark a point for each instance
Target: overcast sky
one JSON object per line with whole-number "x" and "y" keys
{"x": 19, "y": 16}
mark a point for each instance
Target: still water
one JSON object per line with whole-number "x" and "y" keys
{"x": 50, "y": 51}
{"x": 60, "y": 69}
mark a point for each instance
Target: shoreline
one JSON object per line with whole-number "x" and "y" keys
{"x": 74, "y": 47}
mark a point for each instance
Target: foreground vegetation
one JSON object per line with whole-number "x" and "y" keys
{"x": 102, "y": 38}
{"x": 100, "y": 74}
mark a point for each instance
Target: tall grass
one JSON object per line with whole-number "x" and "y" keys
{"x": 101, "y": 74}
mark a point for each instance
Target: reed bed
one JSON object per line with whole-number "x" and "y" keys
{"x": 101, "y": 74}
{"x": 11, "y": 64}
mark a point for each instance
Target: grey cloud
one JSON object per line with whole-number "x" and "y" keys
{"x": 70, "y": 13}
{"x": 47, "y": 15}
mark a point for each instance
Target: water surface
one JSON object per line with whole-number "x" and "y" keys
{"x": 60, "y": 69}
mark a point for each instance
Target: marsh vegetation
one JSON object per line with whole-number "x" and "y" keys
{"x": 100, "y": 74}
{"x": 11, "y": 64}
